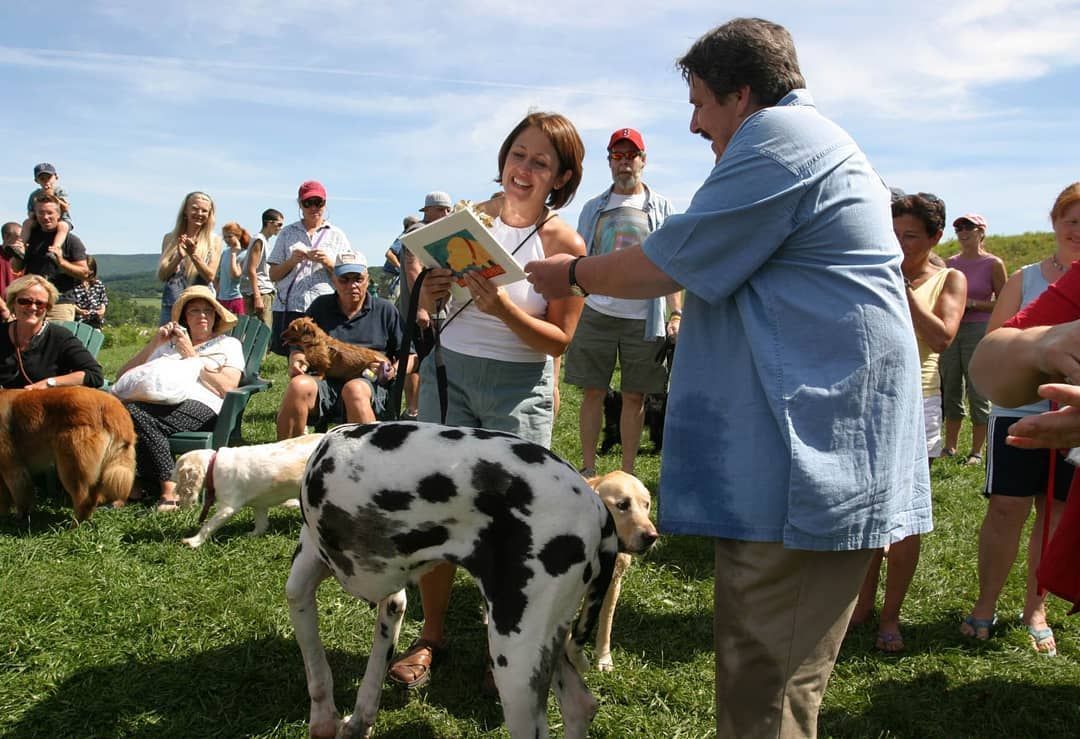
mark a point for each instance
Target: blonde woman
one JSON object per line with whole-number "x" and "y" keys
{"x": 36, "y": 354}
{"x": 190, "y": 253}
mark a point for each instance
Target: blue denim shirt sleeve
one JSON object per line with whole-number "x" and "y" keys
{"x": 747, "y": 209}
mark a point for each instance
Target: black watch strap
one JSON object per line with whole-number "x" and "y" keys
{"x": 575, "y": 288}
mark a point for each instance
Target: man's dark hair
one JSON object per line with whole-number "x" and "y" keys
{"x": 926, "y": 207}
{"x": 47, "y": 197}
{"x": 745, "y": 51}
{"x": 11, "y": 227}
{"x": 272, "y": 215}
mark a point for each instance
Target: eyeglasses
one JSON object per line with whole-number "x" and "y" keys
{"x": 965, "y": 226}
{"x": 38, "y": 304}
{"x": 312, "y": 203}
{"x": 351, "y": 278}
{"x": 618, "y": 156}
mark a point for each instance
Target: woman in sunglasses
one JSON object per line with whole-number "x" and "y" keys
{"x": 36, "y": 354}
{"x": 190, "y": 253}
{"x": 986, "y": 277}
{"x": 302, "y": 261}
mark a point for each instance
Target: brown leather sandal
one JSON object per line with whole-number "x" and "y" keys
{"x": 413, "y": 668}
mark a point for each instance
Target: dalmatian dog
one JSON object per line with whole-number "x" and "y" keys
{"x": 382, "y": 503}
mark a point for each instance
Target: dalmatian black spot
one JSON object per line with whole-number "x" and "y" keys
{"x": 422, "y": 538}
{"x": 393, "y": 608}
{"x": 384, "y": 630}
{"x": 452, "y": 434}
{"x": 530, "y": 453}
{"x": 562, "y": 553}
{"x": 320, "y": 452}
{"x": 489, "y": 434}
{"x": 540, "y": 682}
{"x": 390, "y": 436}
{"x": 363, "y": 539}
{"x": 393, "y": 500}
{"x": 296, "y": 552}
{"x": 389, "y": 653}
{"x": 316, "y": 483}
{"x": 501, "y": 550}
{"x": 359, "y": 432}
{"x": 436, "y": 488}
{"x": 609, "y": 525}
{"x": 501, "y": 661}
{"x": 586, "y": 576}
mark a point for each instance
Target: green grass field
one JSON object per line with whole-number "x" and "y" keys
{"x": 115, "y": 629}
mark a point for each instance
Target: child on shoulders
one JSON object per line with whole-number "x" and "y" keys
{"x": 47, "y": 179}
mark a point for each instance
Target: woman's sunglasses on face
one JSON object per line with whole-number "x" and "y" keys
{"x": 964, "y": 226}
{"x": 38, "y": 304}
{"x": 312, "y": 203}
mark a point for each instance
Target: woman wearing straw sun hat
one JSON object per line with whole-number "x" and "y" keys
{"x": 198, "y": 328}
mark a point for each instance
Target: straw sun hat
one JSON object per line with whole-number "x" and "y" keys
{"x": 226, "y": 318}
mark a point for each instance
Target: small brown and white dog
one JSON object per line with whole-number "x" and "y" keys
{"x": 86, "y": 433}
{"x": 629, "y": 502}
{"x": 326, "y": 356}
{"x": 261, "y": 476}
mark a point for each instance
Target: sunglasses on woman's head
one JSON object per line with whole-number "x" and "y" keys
{"x": 39, "y": 304}
{"x": 313, "y": 203}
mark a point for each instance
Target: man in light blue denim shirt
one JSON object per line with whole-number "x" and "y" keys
{"x": 617, "y": 330}
{"x": 794, "y": 431}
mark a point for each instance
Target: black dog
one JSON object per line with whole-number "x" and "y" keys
{"x": 655, "y": 408}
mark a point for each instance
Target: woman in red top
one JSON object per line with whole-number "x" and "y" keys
{"x": 1013, "y": 366}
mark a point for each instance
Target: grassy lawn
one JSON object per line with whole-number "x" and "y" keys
{"x": 116, "y": 629}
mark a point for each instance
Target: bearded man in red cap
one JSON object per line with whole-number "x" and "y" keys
{"x": 628, "y": 331}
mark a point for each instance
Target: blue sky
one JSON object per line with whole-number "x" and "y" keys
{"x": 137, "y": 103}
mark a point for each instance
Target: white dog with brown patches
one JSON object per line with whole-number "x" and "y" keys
{"x": 629, "y": 502}
{"x": 260, "y": 476}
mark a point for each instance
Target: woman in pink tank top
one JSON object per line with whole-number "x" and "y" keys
{"x": 986, "y": 276}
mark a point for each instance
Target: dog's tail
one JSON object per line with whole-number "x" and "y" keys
{"x": 118, "y": 461}
{"x": 585, "y": 624}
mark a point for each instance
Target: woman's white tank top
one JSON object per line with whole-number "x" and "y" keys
{"x": 478, "y": 334}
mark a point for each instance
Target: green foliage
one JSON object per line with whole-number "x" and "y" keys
{"x": 114, "y": 629}
{"x": 1015, "y": 251}
{"x": 125, "y": 311}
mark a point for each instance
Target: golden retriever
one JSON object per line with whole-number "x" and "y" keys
{"x": 87, "y": 434}
{"x": 629, "y": 502}
{"x": 326, "y": 356}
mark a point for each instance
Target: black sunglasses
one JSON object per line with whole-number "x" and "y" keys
{"x": 312, "y": 203}
{"x": 38, "y": 304}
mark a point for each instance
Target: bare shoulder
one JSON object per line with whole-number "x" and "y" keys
{"x": 559, "y": 237}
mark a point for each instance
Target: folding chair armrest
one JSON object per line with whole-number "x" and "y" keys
{"x": 232, "y": 410}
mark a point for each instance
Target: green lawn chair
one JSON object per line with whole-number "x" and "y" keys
{"x": 91, "y": 337}
{"x": 255, "y": 337}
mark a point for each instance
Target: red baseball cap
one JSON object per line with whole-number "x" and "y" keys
{"x": 630, "y": 135}
{"x": 312, "y": 189}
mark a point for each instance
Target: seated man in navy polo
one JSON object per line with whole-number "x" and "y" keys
{"x": 349, "y": 314}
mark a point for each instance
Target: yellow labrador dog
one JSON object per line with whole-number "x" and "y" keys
{"x": 629, "y": 502}
{"x": 260, "y": 476}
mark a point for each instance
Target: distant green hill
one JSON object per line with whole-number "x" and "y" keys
{"x": 1016, "y": 251}
{"x": 111, "y": 266}
{"x": 135, "y": 275}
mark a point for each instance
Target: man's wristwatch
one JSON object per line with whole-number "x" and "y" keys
{"x": 575, "y": 288}
{"x": 51, "y": 382}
